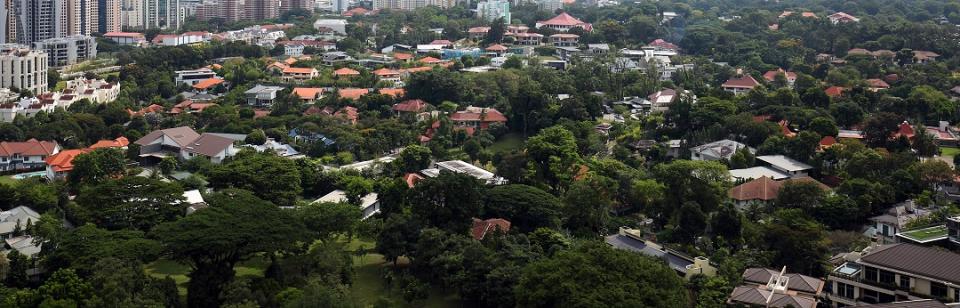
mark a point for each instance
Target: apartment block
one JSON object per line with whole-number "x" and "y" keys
{"x": 109, "y": 16}
{"x": 69, "y": 50}
{"x": 895, "y": 273}
{"x": 23, "y": 68}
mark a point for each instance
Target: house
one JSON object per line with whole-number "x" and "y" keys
{"x": 369, "y": 203}
{"x": 786, "y": 165}
{"x": 393, "y": 92}
{"x": 770, "y": 288}
{"x": 482, "y": 227}
{"x": 126, "y": 38}
{"x": 194, "y": 200}
{"x": 24, "y": 155}
{"x": 280, "y": 149}
{"x": 895, "y": 220}
{"x": 740, "y": 85}
{"x": 662, "y": 45}
{"x": 921, "y": 57}
{"x": 876, "y": 84}
{"x": 352, "y": 93}
{"x": 25, "y": 107}
{"x": 299, "y": 74}
{"x": 192, "y": 77}
{"x": 685, "y": 266}
{"x": 346, "y": 72}
{"x": 842, "y": 18}
{"x": 717, "y": 150}
{"x": 414, "y": 106}
{"x": 771, "y": 76}
{"x": 752, "y": 173}
{"x": 478, "y": 33}
{"x": 563, "y": 23}
{"x": 835, "y": 91}
{"x": 308, "y": 95}
{"x": 459, "y": 166}
{"x": 261, "y": 95}
{"x": 184, "y": 143}
{"x": 189, "y": 106}
{"x": 660, "y": 101}
{"x": 893, "y": 273}
{"x": 152, "y": 109}
{"x": 388, "y": 75}
{"x": 564, "y": 40}
{"x": 208, "y": 84}
{"x": 527, "y": 39}
{"x": 334, "y": 57}
{"x": 412, "y": 178}
{"x": 300, "y": 135}
{"x": 763, "y": 190}
{"x": 477, "y": 117}
{"x": 60, "y": 164}
{"x": 17, "y": 216}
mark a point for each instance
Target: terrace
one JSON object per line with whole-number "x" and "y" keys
{"x": 925, "y": 235}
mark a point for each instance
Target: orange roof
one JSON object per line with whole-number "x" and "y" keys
{"x": 308, "y": 93}
{"x": 496, "y": 47}
{"x": 402, "y": 56}
{"x": 352, "y": 93}
{"x": 430, "y": 60}
{"x": 290, "y": 61}
{"x": 385, "y": 72}
{"x": 412, "y": 179}
{"x": 153, "y": 108}
{"x": 346, "y": 71}
{"x": 835, "y": 91}
{"x": 115, "y": 143}
{"x": 395, "y": 92}
{"x": 208, "y": 83}
{"x": 63, "y": 161}
{"x": 905, "y": 130}
{"x": 299, "y": 70}
{"x": 877, "y": 83}
{"x": 417, "y": 69}
{"x": 828, "y": 141}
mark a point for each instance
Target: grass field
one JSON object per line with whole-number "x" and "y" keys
{"x": 508, "y": 142}
{"x": 163, "y": 268}
{"x": 926, "y": 234}
{"x": 6, "y": 179}
{"x": 945, "y": 151}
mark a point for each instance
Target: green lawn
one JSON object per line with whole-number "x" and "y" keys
{"x": 926, "y": 234}
{"x": 163, "y": 268}
{"x": 507, "y": 143}
{"x": 945, "y": 151}
{"x": 369, "y": 286}
{"x": 6, "y": 179}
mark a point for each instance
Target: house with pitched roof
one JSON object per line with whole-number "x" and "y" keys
{"x": 389, "y": 75}
{"x": 894, "y": 273}
{"x": 60, "y": 164}
{"x": 740, "y": 85}
{"x": 685, "y": 266}
{"x": 477, "y": 117}
{"x": 776, "y": 289}
{"x": 717, "y": 150}
{"x": 412, "y": 106}
{"x": 27, "y": 154}
{"x": 482, "y": 227}
{"x": 299, "y": 74}
{"x": 764, "y": 190}
{"x": 842, "y": 18}
{"x": 563, "y": 23}
{"x": 261, "y": 95}
{"x": 308, "y": 95}
{"x": 18, "y": 216}
{"x": 771, "y": 76}
{"x": 184, "y": 143}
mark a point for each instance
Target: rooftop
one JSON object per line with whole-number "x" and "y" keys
{"x": 916, "y": 260}
{"x": 925, "y": 235}
{"x": 784, "y": 163}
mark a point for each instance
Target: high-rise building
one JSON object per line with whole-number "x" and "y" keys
{"x": 411, "y": 4}
{"x": 23, "y": 68}
{"x": 69, "y": 50}
{"x": 550, "y": 6}
{"x": 36, "y": 20}
{"x": 109, "y": 18}
{"x": 8, "y": 25}
{"x": 340, "y": 6}
{"x": 131, "y": 14}
{"x": 262, "y": 9}
{"x": 493, "y": 9}
{"x": 83, "y": 17}
{"x": 287, "y": 5}
{"x": 151, "y": 14}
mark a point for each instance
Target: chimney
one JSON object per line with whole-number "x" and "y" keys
{"x": 944, "y": 125}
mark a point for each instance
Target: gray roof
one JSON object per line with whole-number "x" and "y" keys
{"x": 916, "y": 260}
{"x": 208, "y": 145}
{"x": 9, "y": 218}
{"x": 180, "y": 135}
{"x": 797, "y": 282}
{"x": 784, "y": 163}
{"x": 720, "y": 149}
{"x": 753, "y": 295}
{"x": 675, "y": 261}
{"x": 923, "y": 303}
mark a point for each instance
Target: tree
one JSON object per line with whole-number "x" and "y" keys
{"x": 413, "y": 158}
{"x": 124, "y": 284}
{"x": 727, "y": 223}
{"x": 587, "y": 204}
{"x": 95, "y": 167}
{"x": 497, "y": 29}
{"x": 691, "y": 223}
{"x": 168, "y": 165}
{"x": 269, "y": 177}
{"x": 256, "y": 137}
{"x": 798, "y": 242}
{"x": 823, "y": 126}
{"x": 397, "y": 237}
{"x": 703, "y": 182}
{"x": 17, "y": 272}
{"x": 880, "y": 127}
{"x": 526, "y": 207}
{"x": 132, "y": 202}
{"x": 81, "y": 248}
{"x": 236, "y": 226}
{"x": 448, "y": 201}
{"x": 327, "y": 220}
{"x": 847, "y": 113}
{"x": 513, "y": 62}
{"x": 804, "y": 195}
{"x": 595, "y": 275}
{"x": 554, "y": 156}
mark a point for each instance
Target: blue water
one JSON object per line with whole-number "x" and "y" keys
{"x": 28, "y": 174}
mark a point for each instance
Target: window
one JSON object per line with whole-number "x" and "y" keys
{"x": 956, "y": 295}
{"x": 938, "y": 289}
{"x": 870, "y": 296}
{"x": 886, "y": 277}
{"x": 845, "y": 290}
{"x": 905, "y": 282}
{"x": 870, "y": 273}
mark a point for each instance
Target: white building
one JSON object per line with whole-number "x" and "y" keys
{"x": 69, "y": 50}
{"x": 369, "y": 203}
{"x": 96, "y": 90}
{"x": 23, "y": 68}
{"x": 337, "y": 25}
{"x": 786, "y": 165}
{"x": 491, "y": 10}
{"x": 717, "y": 150}
{"x": 192, "y": 77}
{"x": 25, "y": 107}
{"x": 460, "y": 166}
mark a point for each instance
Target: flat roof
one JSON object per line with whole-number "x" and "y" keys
{"x": 676, "y": 262}
{"x": 925, "y": 235}
{"x": 464, "y": 167}
{"x": 757, "y": 172}
{"x": 785, "y": 163}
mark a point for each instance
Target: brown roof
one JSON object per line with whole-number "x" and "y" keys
{"x": 308, "y": 93}
{"x": 412, "y": 105}
{"x": 352, "y": 93}
{"x": 753, "y": 295}
{"x": 208, "y": 83}
{"x": 746, "y": 81}
{"x": 917, "y": 260}
{"x": 488, "y": 115}
{"x": 764, "y": 189}
{"x": 482, "y": 227}
{"x": 922, "y": 303}
{"x": 797, "y": 282}
{"x": 32, "y": 147}
{"x": 180, "y": 135}
{"x": 208, "y": 145}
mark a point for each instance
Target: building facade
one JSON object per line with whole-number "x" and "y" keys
{"x": 83, "y": 17}
{"x": 109, "y": 18}
{"x": 491, "y": 10}
{"x": 23, "y": 68}
{"x": 893, "y": 273}
{"x": 36, "y": 20}
{"x": 68, "y": 50}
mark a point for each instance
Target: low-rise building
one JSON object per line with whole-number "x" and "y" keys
{"x": 192, "y": 77}
{"x": 718, "y": 150}
{"x": 299, "y": 74}
{"x": 64, "y": 51}
{"x": 184, "y": 143}
{"x": 894, "y": 273}
{"x": 769, "y": 288}
{"x": 127, "y": 38}
{"x": 23, "y": 68}
{"x": 740, "y": 85}
{"x": 261, "y": 95}
{"x": 685, "y": 266}
{"x": 369, "y": 203}
{"x": 786, "y": 165}
{"x": 477, "y": 117}
{"x": 459, "y": 166}
{"x": 565, "y": 40}
{"x": 563, "y": 23}
{"x": 28, "y": 154}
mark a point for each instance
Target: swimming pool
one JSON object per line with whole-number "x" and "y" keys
{"x": 21, "y": 176}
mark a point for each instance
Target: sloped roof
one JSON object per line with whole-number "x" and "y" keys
{"x": 411, "y": 179}
{"x": 496, "y": 47}
{"x": 308, "y": 93}
{"x": 661, "y": 43}
{"x": 479, "y": 30}
{"x": 430, "y": 60}
{"x": 834, "y": 91}
{"x": 395, "y": 92}
{"x": 772, "y": 75}
{"x": 411, "y": 105}
{"x": 115, "y": 143}
{"x": 300, "y": 70}
{"x": 563, "y": 19}
{"x": 917, "y": 260}
{"x": 922, "y": 303}
{"x": 753, "y": 295}
{"x": 385, "y": 72}
{"x": 32, "y": 147}
{"x": 207, "y": 83}
{"x": 877, "y": 83}
{"x": 208, "y": 145}
{"x": 180, "y": 135}
{"x": 352, "y": 93}
{"x": 346, "y": 71}
{"x": 479, "y": 114}
{"x": 764, "y": 189}
{"x": 797, "y": 282}
{"x": 63, "y": 161}
{"x": 480, "y": 228}
{"x": 746, "y": 81}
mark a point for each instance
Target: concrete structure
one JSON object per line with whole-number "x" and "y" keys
{"x": 25, "y": 107}
{"x": 786, "y": 165}
{"x": 550, "y": 6}
{"x": 288, "y": 5}
{"x": 494, "y": 9}
{"x": 894, "y": 273}
{"x": 718, "y": 150}
{"x": 126, "y": 38}
{"x": 26, "y": 155}
{"x": 110, "y": 16}
{"x": 411, "y": 4}
{"x": 151, "y": 14}
{"x": 184, "y": 143}
{"x": 131, "y": 14}
{"x": 68, "y": 50}
{"x": 459, "y": 166}
{"x": 83, "y": 17}
{"x": 261, "y": 95}
{"x": 369, "y": 203}
{"x": 35, "y": 20}
{"x": 685, "y": 266}
{"x": 192, "y": 77}
{"x": 338, "y": 26}
{"x": 776, "y": 289}
{"x": 23, "y": 68}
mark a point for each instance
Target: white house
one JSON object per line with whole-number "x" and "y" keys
{"x": 717, "y": 150}
{"x": 786, "y": 165}
{"x": 369, "y": 204}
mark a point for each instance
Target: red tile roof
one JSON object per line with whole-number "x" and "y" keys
{"x": 486, "y": 115}
{"x": 208, "y": 83}
{"x": 115, "y": 143}
{"x": 412, "y": 179}
{"x": 352, "y": 93}
{"x": 441, "y": 42}
{"x": 744, "y": 82}
{"x": 828, "y": 141}
{"x": 877, "y": 83}
{"x": 835, "y": 91}
{"x": 124, "y": 34}
{"x": 482, "y": 227}
{"x": 565, "y": 20}
{"x": 349, "y": 113}
{"x": 663, "y": 44}
{"x": 63, "y": 161}
{"x": 479, "y": 30}
{"x": 497, "y": 48}
{"x": 385, "y": 72}
{"x": 764, "y": 189}
{"x": 31, "y": 147}
{"x": 300, "y": 70}
{"x": 308, "y": 93}
{"x": 402, "y": 56}
{"x": 395, "y": 92}
{"x": 430, "y": 60}
{"x": 905, "y": 130}
{"x": 346, "y": 71}
{"x": 412, "y": 105}
{"x": 772, "y": 75}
